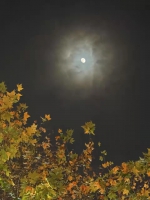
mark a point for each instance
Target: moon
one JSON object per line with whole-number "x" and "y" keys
{"x": 83, "y": 60}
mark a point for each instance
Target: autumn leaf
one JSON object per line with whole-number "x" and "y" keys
{"x": 3, "y": 87}
{"x": 115, "y": 169}
{"x": 48, "y": 117}
{"x": 31, "y": 130}
{"x": 45, "y": 145}
{"x": 135, "y": 171}
{"x": 105, "y": 164}
{"x": 71, "y": 185}
{"x": 59, "y": 130}
{"x": 112, "y": 182}
{"x": 18, "y": 95}
{"x": 57, "y": 138}
{"x": 8, "y": 154}
{"x": 99, "y": 144}
{"x": 19, "y": 87}
{"x": 70, "y": 178}
{"x": 125, "y": 191}
{"x": 148, "y": 173}
{"x": 26, "y": 116}
{"x": 11, "y": 94}
{"x": 124, "y": 167}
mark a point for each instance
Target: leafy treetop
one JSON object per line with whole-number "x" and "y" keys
{"x": 33, "y": 168}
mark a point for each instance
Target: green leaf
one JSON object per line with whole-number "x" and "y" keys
{"x": 99, "y": 144}
{"x": 33, "y": 177}
{"x": 6, "y": 116}
{"x": 3, "y": 87}
{"x": 101, "y": 158}
{"x": 112, "y": 196}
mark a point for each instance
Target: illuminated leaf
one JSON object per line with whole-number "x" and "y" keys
{"x": 70, "y": 178}
{"x": 59, "y": 130}
{"x": 106, "y": 164}
{"x": 19, "y": 87}
{"x": 99, "y": 144}
{"x": 115, "y": 169}
{"x": 26, "y": 116}
{"x": 18, "y": 95}
{"x": 125, "y": 191}
{"x": 47, "y": 117}
{"x": 11, "y": 94}
{"x": 148, "y": 173}
{"x": 3, "y": 87}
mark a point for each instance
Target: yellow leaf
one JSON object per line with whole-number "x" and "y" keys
{"x": 125, "y": 191}
{"x": 59, "y": 130}
{"x": 146, "y": 185}
{"x": 31, "y": 130}
{"x": 47, "y": 117}
{"x": 70, "y": 178}
{"x": 99, "y": 144}
{"x": 135, "y": 171}
{"x": 18, "y": 96}
{"x": 112, "y": 182}
{"x": 11, "y": 182}
{"x": 26, "y": 116}
{"x": 148, "y": 173}
{"x": 11, "y": 94}
{"x": 8, "y": 154}
{"x": 19, "y": 87}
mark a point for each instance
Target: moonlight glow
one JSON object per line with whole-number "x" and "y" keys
{"x": 83, "y": 60}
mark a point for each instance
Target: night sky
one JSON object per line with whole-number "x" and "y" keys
{"x": 41, "y": 45}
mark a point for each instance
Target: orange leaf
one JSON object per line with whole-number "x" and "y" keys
{"x": 148, "y": 173}
{"x": 45, "y": 145}
{"x": 57, "y": 138}
{"x": 106, "y": 164}
{"x": 26, "y": 116}
{"x": 59, "y": 130}
{"x": 115, "y": 169}
{"x": 70, "y": 178}
{"x": 48, "y": 117}
{"x": 124, "y": 166}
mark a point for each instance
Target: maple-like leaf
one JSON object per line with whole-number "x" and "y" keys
{"x": 115, "y": 169}
{"x": 18, "y": 95}
{"x": 11, "y": 94}
{"x": 135, "y": 171}
{"x": 26, "y": 116}
{"x": 125, "y": 191}
{"x": 31, "y": 130}
{"x": 48, "y": 117}
{"x": 19, "y": 87}
{"x": 3, "y": 87}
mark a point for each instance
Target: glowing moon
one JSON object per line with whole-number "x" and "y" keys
{"x": 83, "y": 60}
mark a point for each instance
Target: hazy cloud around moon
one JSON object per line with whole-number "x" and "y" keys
{"x": 64, "y": 71}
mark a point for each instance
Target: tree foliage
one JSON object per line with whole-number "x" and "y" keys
{"x": 31, "y": 167}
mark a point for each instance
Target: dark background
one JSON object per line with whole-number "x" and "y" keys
{"x": 120, "y": 110}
